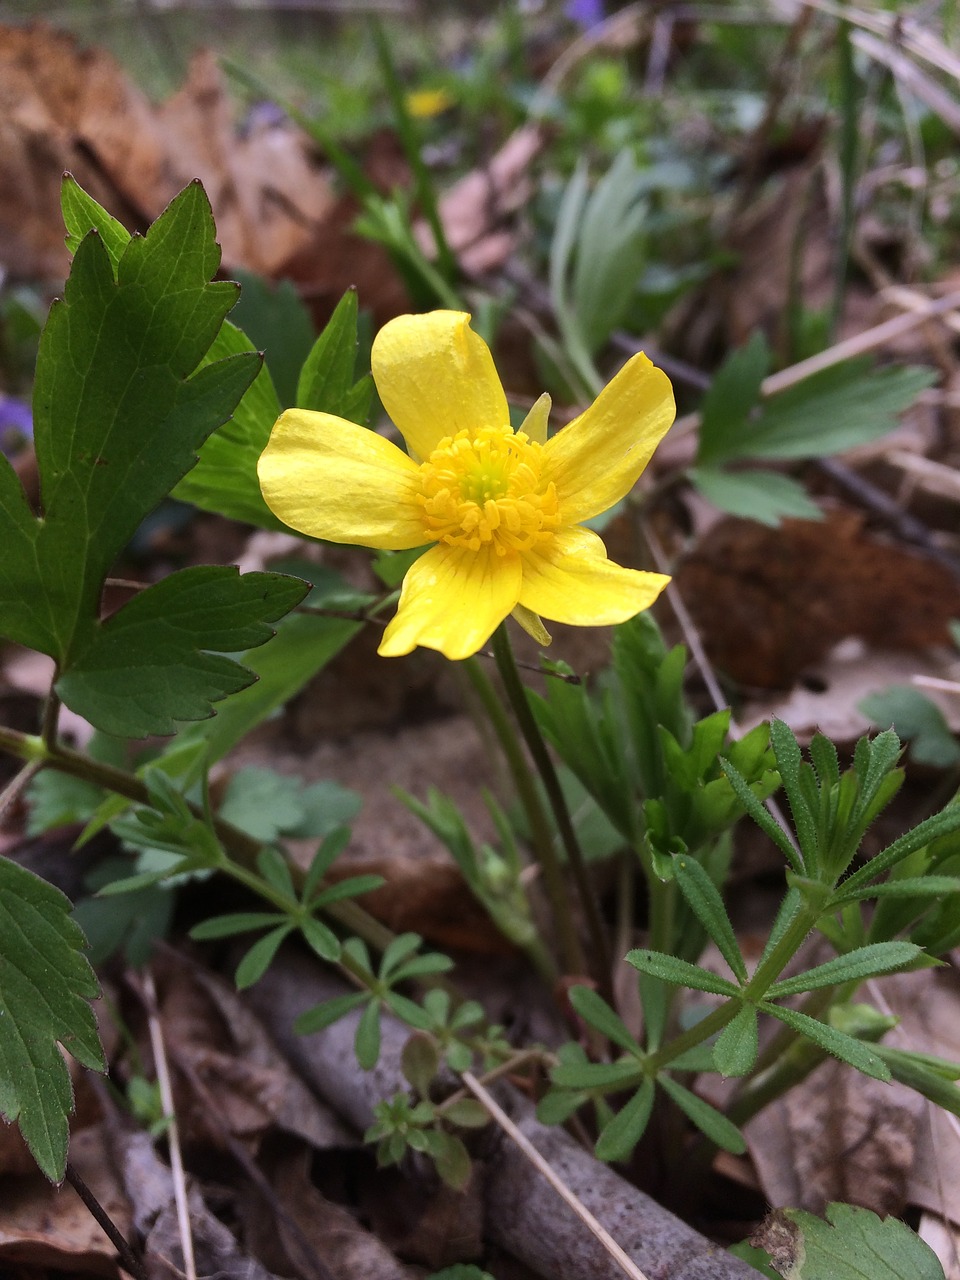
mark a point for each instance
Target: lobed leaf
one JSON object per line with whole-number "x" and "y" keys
{"x": 47, "y": 983}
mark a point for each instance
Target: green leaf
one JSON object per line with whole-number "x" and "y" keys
{"x": 228, "y": 926}
{"x": 704, "y": 900}
{"x": 840, "y": 408}
{"x": 761, "y": 816}
{"x": 595, "y": 1010}
{"x": 224, "y": 479}
{"x": 260, "y": 956}
{"x": 680, "y": 972}
{"x": 854, "y": 1052}
{"x": 934, "y": 1078}
{"x": 82, "y": 214}
{"x": 420, "y": 1062}
{"x": 855, "y": 966}
{"x": 326, "y": 381}
{"x": 303, "y": 645}
{"x": 621, "y": 1134}
{"x": 320, "y": 939}
{"x": 733, "y": 394}
{"x": 737, "y": 1045}
{"x": 149, "y": 666}
{"x": 117, "y": 417}
{"x": 272, "y": 316}
{"x": 597, "y": 1075}
{"x": 765, "y": 496}
{"x": 47, "y": 983}
{"x": 940, "y": 824}
{"x": 707, "y": 1119}
{"x": 916, "y": 718}
{"x": 853, "y": 1244}
{"x": 366, "y": 1042}
{"x": 451, "y": 1158}
{"x": 326, "y": 1014}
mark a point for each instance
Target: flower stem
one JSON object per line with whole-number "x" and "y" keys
{"x": 573, "y": 957}
{"x": 600, "y": 951}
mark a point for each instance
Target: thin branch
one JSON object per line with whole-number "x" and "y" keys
{"x": 128, "y": 1259}
{"x": 162, "y": 1068}
{"x": 486, "y": 1100}
{"x": 16, "y": 785}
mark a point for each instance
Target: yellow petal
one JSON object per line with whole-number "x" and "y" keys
{"x": 436, "y": 377}
{"x": 598, "y": 458}
{"x": 332, "y": 479}
{"x": 453, "y": 599}
{"x": 569, "y": 579}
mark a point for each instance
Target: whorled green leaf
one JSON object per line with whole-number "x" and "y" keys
{"x": 621, "y": 1134}
{"x": 707, "y": 1119}
{"x": 855, "y": 966}
{"x": 45, "y": 986}
{"x": 595, "y": 1010}
{"x": 705, "y": 902}
{"x": 737, "y": 1045}
{"x": 855, "y": 1053}
{"x": 681, "y": 972}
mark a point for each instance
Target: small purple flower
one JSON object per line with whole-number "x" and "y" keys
{"x": 16, "y": 425}
{"x": 588, "y": 13}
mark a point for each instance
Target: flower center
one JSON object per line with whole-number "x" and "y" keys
{"x": 487, "y": 488}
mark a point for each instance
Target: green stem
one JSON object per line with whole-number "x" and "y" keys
{"x": 602, "y": 963}
{"x": 766, "y": 975}
{"x": 541, "y": 836}
{"x": 242, "y": 848}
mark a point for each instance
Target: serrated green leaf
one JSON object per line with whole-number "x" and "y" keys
{"x": 907, "y": 887}
{"x": 765, "y": 496}
{"x": 273, "y": 317}
{"x": 853, "y": 1244}
{"x": 149, "y": 665}
{"x": 733, "y": 394}
{"x": 916, "y": 718}
{"x": 704, "y": 900}
{"x": 82, "y": 214}
{"x": 326, "y": 382}
{"x": 707, "y": 1119}
{"x": 621, "y": 1134}
{"x": 595, "y": 1010}
{"x": 736, "y": 1048}
{"x": 855, "y": 966}
{"x": 303, "y": 645}
{"x": 44, "y": 994}
{"x": 680, "y": 972}
{"x": 117, "y": 417}
{"x": 854, "y": 1052}
{"x": 224, "y": 479}
{"x": 840, "y": 408}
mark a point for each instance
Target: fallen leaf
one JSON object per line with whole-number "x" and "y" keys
{"x": 770, "y": 603}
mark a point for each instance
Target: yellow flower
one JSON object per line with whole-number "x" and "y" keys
{"x": 501, "y": 508}
{"x": 424, "y": 104}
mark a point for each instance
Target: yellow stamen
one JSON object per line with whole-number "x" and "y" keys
{"x": 487, "y": 487}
